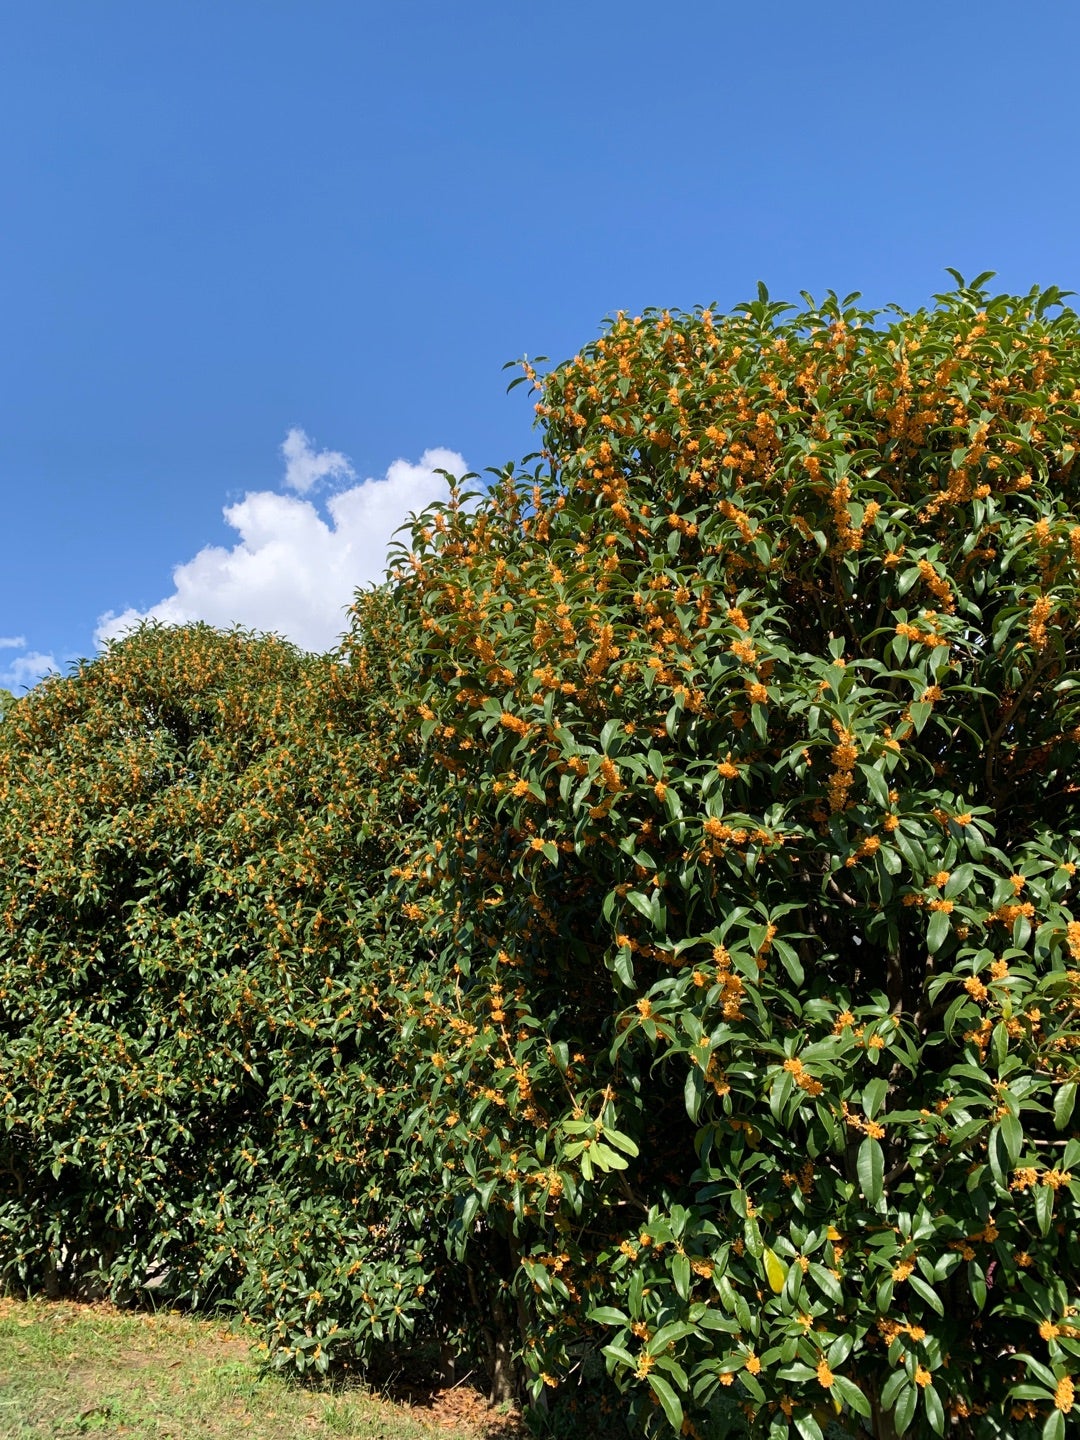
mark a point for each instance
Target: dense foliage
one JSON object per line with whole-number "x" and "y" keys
{"x": 749, "y": 811}
{"x": 197, "y": 1084}
{"x": 659, "y": 925}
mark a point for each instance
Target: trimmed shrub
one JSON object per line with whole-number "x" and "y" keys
{"x": 746, "y": 830}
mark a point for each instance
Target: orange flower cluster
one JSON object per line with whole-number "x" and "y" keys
{"x": 861, "y": 1122}
{"x": 802, "y": 1077}
{"x": 844, "y": 755}
{"x": 1028, "y": 1175}
{"x": 732, "y": 987}
{"x": 868, "y": 846}
{"x": 1065, "y": 1395}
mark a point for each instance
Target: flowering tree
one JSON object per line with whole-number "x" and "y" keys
{"x": 199, "y": 1082}
{"x": 670, "y": 908}
{"x": 746, "y": 832}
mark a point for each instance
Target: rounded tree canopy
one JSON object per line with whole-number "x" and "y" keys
{"x": 751, "y": 723}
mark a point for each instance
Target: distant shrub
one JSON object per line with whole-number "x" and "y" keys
{"x": 199, "y": 1084}
{"x": 746, "y": 825}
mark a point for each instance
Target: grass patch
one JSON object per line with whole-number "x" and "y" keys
{"x": 68, "y": 1370}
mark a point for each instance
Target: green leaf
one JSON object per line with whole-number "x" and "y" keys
{"x": 1054, "y": 1428}
{"x": 621, "y": 1141}
{"x": 713, "y": 1320}
{"x": 876, "y": 784}
{"x": 643, "y": 904}
{"x": 935, "y": 1412}
{"x": 680, "y": 1273}
{"x": 851, "y": 1395}
{"x": 1003, "y": 890}
{"x": 1064, "y": 1100}
{"x": 1037, "y": 1368}
{"x": 807, "y": 1426}
{"x": 694, "y": 1091}
{"x": 906, "y": 1403}
{"x": 469, "y": 1210}
{"x": 999, "y": 1043}
{"x": 779, "y": 1093}
{"x": 797, "y": 1371}
{"x": 839, "y": 1350}
{"x": 1044, "y": 1208}
{"x": 873, "y": 1095}
{"x": 608, "y": 733}
{"x": 621, "y": 1354}
{"x": 622, "y": 963}
{"x": 751, "y": 1386}
{"x": 668, "y": 1334}
{"x": 977, "y": 1285}
{"x": 912, "y": 853}
{"x": 664, "y": 1392}
{"x": 790, "y": 960}
{"x": 1027, "y": 1392}
{"x": 827, "y": 1282}
{"x": 958, "y": 880}
{"x": 937, "y": 930}
{"x": 892, "y": 1387}
{"x": 608, "y": 1315}
{"x": 870, "y": 1166}
{"x": 920, "y": 711}
{"x": 932, "y": 1298}
{"x": 605, "y": 1158}
{"x": 1012, "y": 1134}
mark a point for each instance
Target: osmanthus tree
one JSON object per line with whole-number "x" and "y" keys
{"x": 199, "y": 1085}
{"x": 747, "y": 817}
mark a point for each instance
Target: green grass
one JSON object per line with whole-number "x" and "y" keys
{"x": 68, "y": 1370}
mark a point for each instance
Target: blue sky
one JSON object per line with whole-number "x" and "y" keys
{"x": 229, "y": 223}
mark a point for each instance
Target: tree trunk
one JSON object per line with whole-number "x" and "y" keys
{"x": 503, "y": 1386}
{"x": 881, "y": 1420}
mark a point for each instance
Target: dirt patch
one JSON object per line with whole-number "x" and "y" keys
{"x": 461, "y": 1407}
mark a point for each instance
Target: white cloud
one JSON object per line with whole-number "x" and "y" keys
{"x": 24, "y": 671}
{"x": 305, "y": 466}
{"x": 294, "y": 570}
{"x": 12, "y": 642}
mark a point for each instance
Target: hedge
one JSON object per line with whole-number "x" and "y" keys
{"x": 652, "y": 942}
